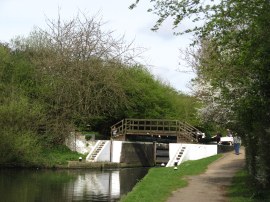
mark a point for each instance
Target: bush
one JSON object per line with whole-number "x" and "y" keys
{"x": 88, "y": 136}
{"x": 19, "y": 148}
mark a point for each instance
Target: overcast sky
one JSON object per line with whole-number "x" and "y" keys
{"x": 19, "y": 17}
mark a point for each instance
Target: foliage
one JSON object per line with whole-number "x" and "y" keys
{"x": 158, "y": 184}
{"x": 179, "y": 11}
{"x": 235, "y": 84}
{"x": 77, "y": 65}
{"x": 19, "y": 148}
{"x": 151, "y": 98}
{"x": 88, "y": 136}
{"x": 56, "y": 156}
{"x": 232, "y": 63}
{"x": 244, "y": 189}
{"x": 75, "y": 76}
{"x": 19, "y": 116}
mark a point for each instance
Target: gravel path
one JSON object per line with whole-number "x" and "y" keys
{"x": 211, "y": 186}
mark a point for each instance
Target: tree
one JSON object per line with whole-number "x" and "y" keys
{"x": 78, "y": 64}
{"x": 154, "y": 99}
{"x": 70, "y": 76}
{"x": 236, "y": 68}
{"x": 20, "y": 116}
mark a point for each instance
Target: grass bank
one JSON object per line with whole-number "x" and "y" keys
{"x": 243, "y": 189}
{"x": 60, "y": 155}
{"x": 159, "y": 183}
{"x": 46, "y": 157}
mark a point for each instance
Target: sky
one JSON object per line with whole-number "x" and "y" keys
{"x": 162, "y": 54}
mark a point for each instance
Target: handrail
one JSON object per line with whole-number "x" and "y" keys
{"x": 148, "y": 126}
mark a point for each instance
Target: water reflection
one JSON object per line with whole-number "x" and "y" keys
{"x": 67, "y": 185}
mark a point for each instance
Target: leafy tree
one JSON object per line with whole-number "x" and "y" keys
{"x": 71, "y": 76}
{"x": 78, "y": 65}
{"x": 19, "y": 117}
{"x": 152, "y": 98}
{"x": 237, "y": 80}
{"x": 233, "y": 67}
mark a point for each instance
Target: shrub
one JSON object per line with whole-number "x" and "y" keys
{"x": 88, "y": 137}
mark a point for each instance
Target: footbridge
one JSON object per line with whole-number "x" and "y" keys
{"x": 155, "y": 129}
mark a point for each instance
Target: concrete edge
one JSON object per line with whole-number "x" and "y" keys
{"x": 99, "y": 165}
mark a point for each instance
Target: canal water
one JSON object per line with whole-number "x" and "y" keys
{"x": 20, "y": 185}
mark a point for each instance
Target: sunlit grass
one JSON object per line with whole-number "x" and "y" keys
{"x": 159, "y": 183}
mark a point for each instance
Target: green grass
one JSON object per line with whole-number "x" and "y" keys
{"x": 244, "y": 190}
{"x": 159, "y": 183}
{"x": 51, "y": 157}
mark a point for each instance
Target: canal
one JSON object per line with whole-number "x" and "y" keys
{"x": 24, "y": 185}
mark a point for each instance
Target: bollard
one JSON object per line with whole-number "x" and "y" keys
{"x": 80, "y": 159}
{"x": 175, "y": 165}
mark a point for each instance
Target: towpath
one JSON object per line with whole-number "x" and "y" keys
{"x": 212, "y": 185}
